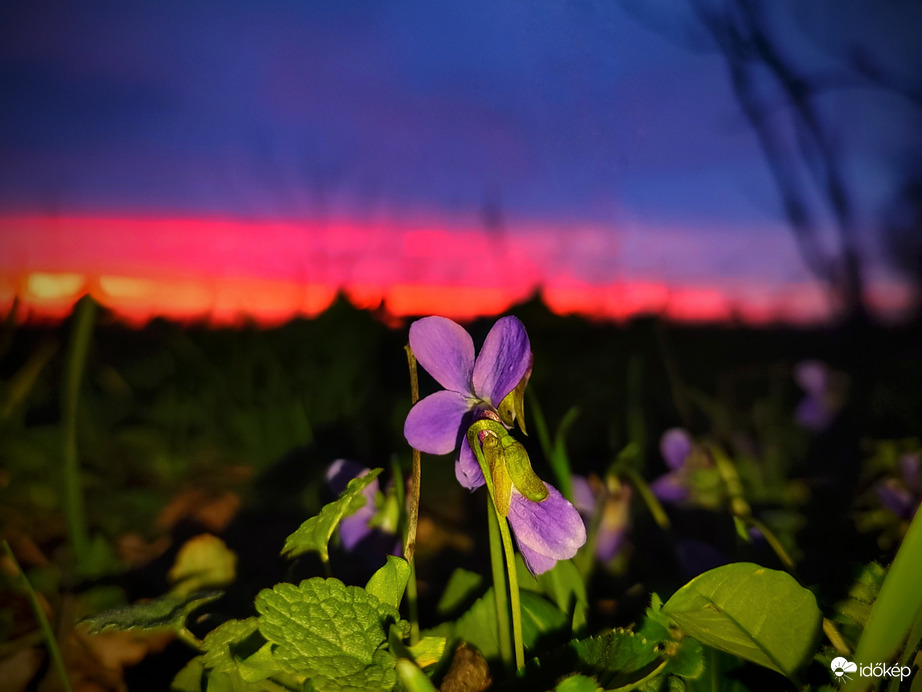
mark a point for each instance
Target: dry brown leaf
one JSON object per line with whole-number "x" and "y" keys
{"x": 212, "y": 508}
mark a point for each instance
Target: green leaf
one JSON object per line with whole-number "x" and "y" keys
{"x": 315, "y": 533}
{"x": 189, "y": 679}
{"x": 204, "y": 561}
{"x": 166, "y": 612}
{"x": 238, "y": 657}
{"x": 412, "y": 678}
{"x": 428, "y": 651}
{"x": 578, "y": 683}
{"x": 897, "y": 605}
{"x": 855, "y": 608}
{"x": 478, "y": 625}
{"x": 241, "y": 636}
{"x": 389, "y": 582}
{"x": 759, "y": 614}
{"x": 329, "y": 633}
{"x": 620, "y": 657}
{"x": 462, "y": 585}
{"x": 563, "y": 584}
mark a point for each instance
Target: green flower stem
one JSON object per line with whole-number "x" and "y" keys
{"x": 409, "y": 546}
{"x": 773, "y": 543}
{"x": 74, "y": 510}
{"x": 53, "y": 650}
{"x": 501, "y": 524}
{"x": 499, "y": 586}
{"x": 643, "y": 489}
{"x": 514, "y": 599}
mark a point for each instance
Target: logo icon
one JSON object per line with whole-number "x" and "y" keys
{"x": 840, "y": 666}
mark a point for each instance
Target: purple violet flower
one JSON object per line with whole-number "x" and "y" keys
{"x": 903, "y": 495}
{"x": 822, "y": 402}
{"x": 545, "y": 531}
{"x": 676, "y": 446}
{"x": 362, "y": 526}
{"x": 438, "y": 423}
{"x": 591, "y": 496}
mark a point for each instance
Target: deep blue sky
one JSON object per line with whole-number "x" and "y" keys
{"x": 618, "y": 114}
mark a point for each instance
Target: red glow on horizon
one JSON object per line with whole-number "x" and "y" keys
{"x": 224, "y": 272}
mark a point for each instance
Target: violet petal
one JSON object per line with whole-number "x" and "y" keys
{"x": 675, "y": 445}
{"x": 445, "y": 350}
{"x": 341, "y": 471}
{"x": 583, "y": 497}
{"x": 503, "y": 360}
{"x": 612, "y": 528}
{"x": 545, "y": 531}
{"x": 813, "y": 377}
{"x": 433, "y": 423}
{"x": 670, "y": 488}
{"x": 467, "y": 468}
{"x": 354, "y": 528}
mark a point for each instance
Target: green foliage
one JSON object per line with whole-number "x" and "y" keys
{"x": 412, "y": 678}
{"x": 656, "y": 657}
{"x": 461, "y": 587}
{"x": 389, "y": 582}
{"x": 578, "y": 683}
{"x": 167, "y": 612}
{"x": 332, "y": 634}
{"x": 315, "y": 533}
{"x": 478, "y": 625}
{"x": 897, "y": 605}
{"x": 563, "y": 584}
{"x": 759, "y": 614}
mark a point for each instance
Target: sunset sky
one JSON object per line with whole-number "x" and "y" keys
{"x": 208, "y": 159}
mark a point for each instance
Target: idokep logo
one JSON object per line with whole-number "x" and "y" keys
{"x": 841, "y": 668}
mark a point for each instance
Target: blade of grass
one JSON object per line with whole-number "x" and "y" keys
{"x": 897, "y": 605}
{"x": 74, "y": 510}
{"x": 51, "y": 642}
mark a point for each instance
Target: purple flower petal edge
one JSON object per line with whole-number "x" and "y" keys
{"x": 445, "y": 350}
{"x": 503, "y": 360}
{"x": 467, "y": 468}
{"x": 433, "y": 424}
{"x": 545, "y": 531}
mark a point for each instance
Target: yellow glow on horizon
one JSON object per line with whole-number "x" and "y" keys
{"x": 47, "y": 286}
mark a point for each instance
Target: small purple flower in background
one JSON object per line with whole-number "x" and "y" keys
{"x": 438, "y": 423}
{"x": 370, "y": 523}
{"x": 590, "y": 496}
{"x": 823, "y": 399}
{"x": 676, "y": 446}
{"x": 547, "y": 530}
{"x": 903, "y": 495}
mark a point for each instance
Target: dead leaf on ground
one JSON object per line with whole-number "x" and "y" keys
{"x": 213, "y": 508}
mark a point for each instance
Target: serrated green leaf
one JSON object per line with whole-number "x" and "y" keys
{"x": 238, "y": 657}
{"x": 329, "y": 633}
{"x": 315, "y": 533}
{"x": 620, "y": 657}
{"x": 233, "y": 634}
{"x": 759, "y": 614}
{"x": 578, "y": 683}
{"x": 462, "y": 585}
{"x": 166, "y": 612}
{"x": 389, "y": 582}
